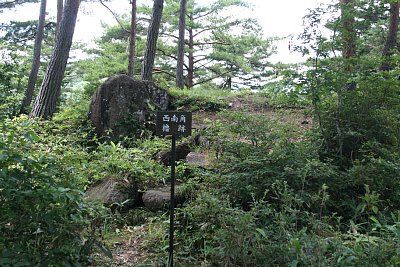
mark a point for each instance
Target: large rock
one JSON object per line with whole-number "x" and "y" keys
{"x": 109, "y": 191}
{"x": 165, "y": 156}
{"x": 182, "y": 150}
{"x": 157, "y": 199}
{"x": 121, "y": 103}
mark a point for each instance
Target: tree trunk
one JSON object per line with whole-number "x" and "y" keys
{"x": 151, "y": 44}
{"x": 36, "y": 58}
{"x": 60, "y": 7}
{"x": 181, "y": 46}
{"x": 391, "y": 41}
{"x": 348, "y": 53}
{"x": 132, "y": 40}
{"x": 348, "y": 33}
{"x": 45, "y": 103}
{"x": 191, "y": 56}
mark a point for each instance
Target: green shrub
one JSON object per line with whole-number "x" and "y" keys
{"x": 197, "y": 99}
{"x": 219, "y": 235}
{"x": 44, "y": 217}
{"x": 133, "y": 165}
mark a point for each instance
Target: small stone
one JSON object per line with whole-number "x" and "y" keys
{"x": 197, "y": 159}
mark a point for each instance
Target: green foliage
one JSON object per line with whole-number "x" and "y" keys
{"x": 16, "y": 41}
{"x": 288, "y": 91}
{"x": 110, "y": 56}
{"x": 199, "y": 98}
{"x": 133, "y": 165}
{"x": 44, "y": 217}
{"x": 277, "y": 194}
{"x": 349, "y": 119}
{"x": 12, "y": 4}
{"x": 242, "y": 60}
{"x": 256, "y": 152}
{"x": 11, "y": 81}
{"x": 210, "y": 232}
{"x": 238, "y": 59}
{"x": 219, "y": 234}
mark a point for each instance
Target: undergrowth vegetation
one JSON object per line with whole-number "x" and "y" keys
{"x": 302, "y": 170}
{"x": 45, "y": 220}
{"x": 278, "y": 195}
{"x": 276, "y": 192}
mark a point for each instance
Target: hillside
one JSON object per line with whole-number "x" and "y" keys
{"x": 287, "y": 164}
{"x": 267, "y": 194}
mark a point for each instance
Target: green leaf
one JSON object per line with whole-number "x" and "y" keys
{"x": 262, "y": 232}
{"x": 375, "y": 209}
{"x": 33, "y": 136}
{"x": 10, "y": 137}
{"x": 294, "y": 263}
{"x": 375, "y": 220}
{"x": 297, "y": 246}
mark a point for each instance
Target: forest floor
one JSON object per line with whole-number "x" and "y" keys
{"x": 128, "y": 244}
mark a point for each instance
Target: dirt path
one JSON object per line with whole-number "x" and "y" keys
{"x": 126, "y": 247}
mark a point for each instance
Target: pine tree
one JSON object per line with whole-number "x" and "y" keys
{"x": 45, "y": 103}
{"x": 152, "y": 36}
{"x": 36, "y": 58}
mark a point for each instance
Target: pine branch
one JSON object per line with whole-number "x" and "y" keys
{"x": 158, "y": 70}
{"x": 211, "y": 78}
{"x": 115, "y": 16}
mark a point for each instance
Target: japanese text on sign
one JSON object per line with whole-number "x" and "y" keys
{"x": 174, "y": 123}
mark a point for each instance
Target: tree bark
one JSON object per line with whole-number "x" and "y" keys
{"x": 391, "y": 41}
{"x": 36, "y": 58}
{"x": 132, "y": 41}
{"x": 190, "y": 56}
{"x": 60, "y": 7}
{"x": 45, "y": 103}
{"x": 151, "y": 44}
{"x": 348, "y": 32}
{"x": 181, "y": 46}
{"x": 348, "y": 53}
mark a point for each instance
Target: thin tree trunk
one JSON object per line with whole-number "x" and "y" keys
{"x": 191, "y": 56}
{"x": 60, "y": 7}
{"x": 181, "y": 46}
{"x": 132, "y": 41}
{"x": 391, "y": 41}
{"x": 45, "y": 103}
{"x": 348, "y": 53}
{"x": 348, "y": 33}
{"x": 151, "y": 44}
{"x": 36, "y": 58}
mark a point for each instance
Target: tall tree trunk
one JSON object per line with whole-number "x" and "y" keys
{"x": 348, "y": 32}
{"x": 181, "y": 46}
{"x": 45, "y": 103}
{"x": 132, "y": 41}
{"x": 60, "y": 7}
{"x": 348, "y": 53}
{"x": 151, "y": 44}
{"x": 191, "y": 56}
{"x": 36, "y": 58}
{"x": 391, "y": 41}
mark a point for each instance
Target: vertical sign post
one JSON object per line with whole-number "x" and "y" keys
{"x": 176, "y": 124}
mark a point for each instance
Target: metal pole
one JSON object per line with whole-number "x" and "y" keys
{"x": 172, "y": 206}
